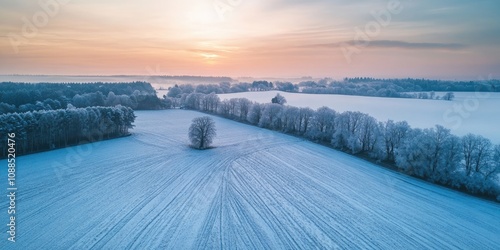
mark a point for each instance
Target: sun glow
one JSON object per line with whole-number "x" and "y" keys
{"x": 271, "y": 38}
{"x": 209, "y": 57}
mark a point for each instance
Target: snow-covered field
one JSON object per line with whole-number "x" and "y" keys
{"x": 470, "y": 112}
{"x": 256, "y": 190}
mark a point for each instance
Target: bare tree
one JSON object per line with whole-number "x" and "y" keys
{"x": 494, "y": 166}
{"x": 368, "y": 133}
{"x": 476, "y": 152}
{"x": 305, "y": 116}
{"x": 322, "y": 124}
{"x": 255, "y": 114}
{"x": 346, "y": 126}
{"x": 244, "y": 106}
{"x": 271, "y": 116}
{"x": 393, "y": 134}
{"x": 193, "y": 101}
{"x": 224, "y": 108}
{"x": 202, "y": 132}
{"x": 291, "y": 120}
{"x": 233, "y": 107}
{"x": 210, "y": 102}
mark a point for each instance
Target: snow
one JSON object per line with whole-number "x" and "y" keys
{"x": 470, "y": 112}
{"x": 257, "y": 189}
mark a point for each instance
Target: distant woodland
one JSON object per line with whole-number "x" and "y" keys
{"x": 361, "y": 86}
{"x": 24, "y": 97}
{"x": 400, "y": 88}
{"x": 46, "y": 116}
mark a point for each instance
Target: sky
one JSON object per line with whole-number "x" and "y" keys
{"x": 440, "y": 39}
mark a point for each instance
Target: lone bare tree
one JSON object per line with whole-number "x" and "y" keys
{"x": 202, "y": 132}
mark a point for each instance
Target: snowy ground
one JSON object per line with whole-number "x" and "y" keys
{"x": 470, "y": 112}
{"x": 257, "y": 190}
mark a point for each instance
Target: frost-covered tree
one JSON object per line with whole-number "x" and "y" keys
{"x": 347, "y": 124}
{"x": 224, "y": 108}
{"x": 271, "y": 116}
{"x": 437, "y": 152}
{"x": 279, "y": 99}
{"x": 80, "y": 101}
{"x": 491, "y": 168}
{"x": 476, "y": 153}
{"x": 286, "y": 86}
{"x": 290, "y": 117}
{"x": 111, "y": 99}
{"x": 368, "y": 133}
{"x": 202, "y": 132}
{"x": 187, "y": 88}
{"x": 210, "y": 102}
{"x": 49, "y": 129}
{"x": 450, "y": 161}
{"x": 305, "y": 116}
{"x": 411, "y": 155}
{"x": 449, "y": 96}
{"x": 6, "y": 108}
{"x": 233, "y": 107}
{"x": 322, "y": 124}
{"x": 193, "y": 101}
{"x": 393, "y": 134}
{"x": 430, "y": 153}
{"x": 255, "y": 114}
{"x": 174, "y": 92}
{"x": 244, "y": 106}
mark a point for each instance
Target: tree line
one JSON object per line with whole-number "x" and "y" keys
{"x": 360, "y": 86}
{"x": 49, "y": 129}
{"x": 398, "y": 88}
{"x": 375, "y": 91}
{"x": 46, "y": 116}
{"x": 470, "y": 163}
{"x": 225, "y": 87}
{"x": 221, "y": 88}
{"x": 24, "y": 97}
{"x": 417, "y": 85}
